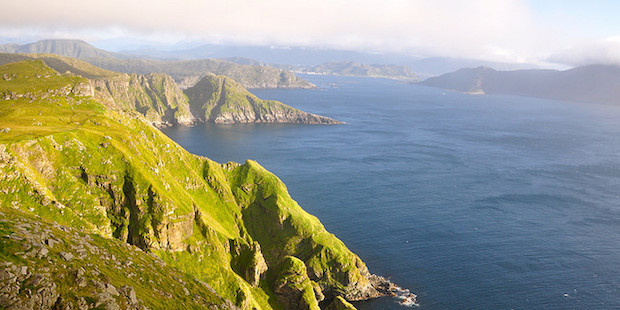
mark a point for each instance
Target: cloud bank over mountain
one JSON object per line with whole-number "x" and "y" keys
{"x": 507, "y": 30}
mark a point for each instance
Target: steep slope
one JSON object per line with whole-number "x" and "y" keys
{"x": 45, "y": 265}
{"x": 66, "y": 158}
{"x": 594, "y": 83}
{"x": 158, "y": 98}
{"x": 219, "y": 99}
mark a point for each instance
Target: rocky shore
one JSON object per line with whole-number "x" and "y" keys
{"x": 386, "y": 288}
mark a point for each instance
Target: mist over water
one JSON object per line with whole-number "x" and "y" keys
{"x": 472, "y": 202}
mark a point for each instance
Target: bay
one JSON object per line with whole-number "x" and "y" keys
{"x": 472, "y": 202}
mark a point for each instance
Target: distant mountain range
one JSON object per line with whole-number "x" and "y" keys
{"x": 70, "y": 48}
{"x": 186, "y": 73}
{"x": 345, "y": 68}
{"x": 310, "y": 57}
{"x": 435, "y": 66}
{"x": 351, "y": 68}
{"x": 592, "y": 83}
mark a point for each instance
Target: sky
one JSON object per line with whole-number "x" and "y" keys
{"x": 525, "y": 31}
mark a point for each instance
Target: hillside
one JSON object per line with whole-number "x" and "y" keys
{"x": 159, "y": 99}
{"x": 219, "y": 99}
{"x": 186, "y": 73}
{"x": 594, "y": 83}
{"x": 95, "y": 271}
{"x": 88, "y": 191}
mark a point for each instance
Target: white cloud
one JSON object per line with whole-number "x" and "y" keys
{"x": 603, "y": 51}
{"x": 488, "y": 29}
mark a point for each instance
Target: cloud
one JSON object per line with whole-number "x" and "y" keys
{"x": 603, "y": 51}
{"x": 489, "y": 29}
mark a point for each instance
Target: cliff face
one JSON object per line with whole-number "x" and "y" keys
{"x": 219, "y": 99}
{"x": 155, "y": 96}
{"x": 67, "y": 159}
{"x": 159, "y": 99}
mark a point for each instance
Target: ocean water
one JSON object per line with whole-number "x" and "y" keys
{"x": 472, "y": 202}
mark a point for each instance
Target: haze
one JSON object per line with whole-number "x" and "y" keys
{"x": 561, "y": 32}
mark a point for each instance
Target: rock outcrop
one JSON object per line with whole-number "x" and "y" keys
{"x": 293, "y": 287}
{"x": 155, "y": 96}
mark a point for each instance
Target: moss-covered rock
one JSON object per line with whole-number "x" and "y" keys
{"x": 248, "y": 260}
{"x": 340, "y": 303}
{"x": 293, "y": 287}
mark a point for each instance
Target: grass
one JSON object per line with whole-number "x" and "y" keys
{"x": 70, "y": 159}
{"x": 221, "y": 99}
{"x": 106, "y": 261}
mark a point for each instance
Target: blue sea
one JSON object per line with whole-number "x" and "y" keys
{"x": 471, "y": 202}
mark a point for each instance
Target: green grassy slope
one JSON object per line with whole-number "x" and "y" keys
{"x": 69, "y": 159}
{"x": 52, "y": 266}
{"x": 219, "y": 99}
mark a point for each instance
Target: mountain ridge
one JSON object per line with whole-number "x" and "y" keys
{"x": 592, "y": 83}
{"x": 251, "y": 76}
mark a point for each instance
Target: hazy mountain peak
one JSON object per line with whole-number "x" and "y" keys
{"x": 65, "y": 47}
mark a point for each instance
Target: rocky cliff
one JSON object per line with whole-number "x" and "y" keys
{"x": 155, "y": 96}
{"x": 159, "y": 99}
{"x": 219, "y": 99}
{"x": 88, "y": 192}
